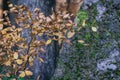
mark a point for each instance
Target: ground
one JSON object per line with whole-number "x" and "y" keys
{"x": 98, "y": 58}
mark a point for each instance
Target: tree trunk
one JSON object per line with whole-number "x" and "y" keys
{"x": 45, "y": 70}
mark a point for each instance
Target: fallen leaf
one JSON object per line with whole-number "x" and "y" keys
{"x": 15, "y": 55}
{"x": 81, "y": 41}
{"x": 42, "y": 50}
{"x": 48, "y": 41}
{"x": 94, "y": 29}
{"x": 19, "y": 61}
{"x": 28, "y": 73}
{"x": 8, "y": 63}
{"x": 70, "y": 34}
{"x": 22, "y": 74}
{"x": 41, "y": 60}
{"x": 31, "y": 59}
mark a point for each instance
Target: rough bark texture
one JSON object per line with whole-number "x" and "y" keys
{"x": 46, "y": 70}
{"x": 71, "y": 6}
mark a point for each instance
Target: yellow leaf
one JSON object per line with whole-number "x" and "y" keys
{"x": 70, "y": 34}
{"x": 19, "y": 61}
{"x": 22, "y": 74}
{"x": 48, "y": 41}
{"x": 15, "y": 55}
{"x": 28, "y": 73}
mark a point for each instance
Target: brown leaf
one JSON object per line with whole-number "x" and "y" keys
{"x": 42, "y": 50}
{"x": 41, "y": 60}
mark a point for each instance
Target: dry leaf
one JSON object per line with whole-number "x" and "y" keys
{"x": 84, "y": 22}
{"x": 81, "y": 41}
{"x": 42, "y": 50}
{"x": 19, "y": 61}
{"x": 31, "y": 63}
{"x": 22, "y": 74}
{"x": 31, "y": 59}
{"x": 41, "y": 60}
{"x": 3, "y": 32}
{"x": 48, "y": 41}
{"x": 66, "y": 16}
{"x": 15, "y": 55}
{"x": 94, "y": 29}
{"x": 28, "y": 73}
{"x": 10, "y": 5}
{"x": 8, "y": 63}
{"x": 1, "y": 26}
{"x": 70, "y": 34}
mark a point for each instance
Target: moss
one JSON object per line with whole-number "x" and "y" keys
{"x": 117, "y": 72}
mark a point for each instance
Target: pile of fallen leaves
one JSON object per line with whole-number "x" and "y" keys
{"x": 16, "y": 51}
